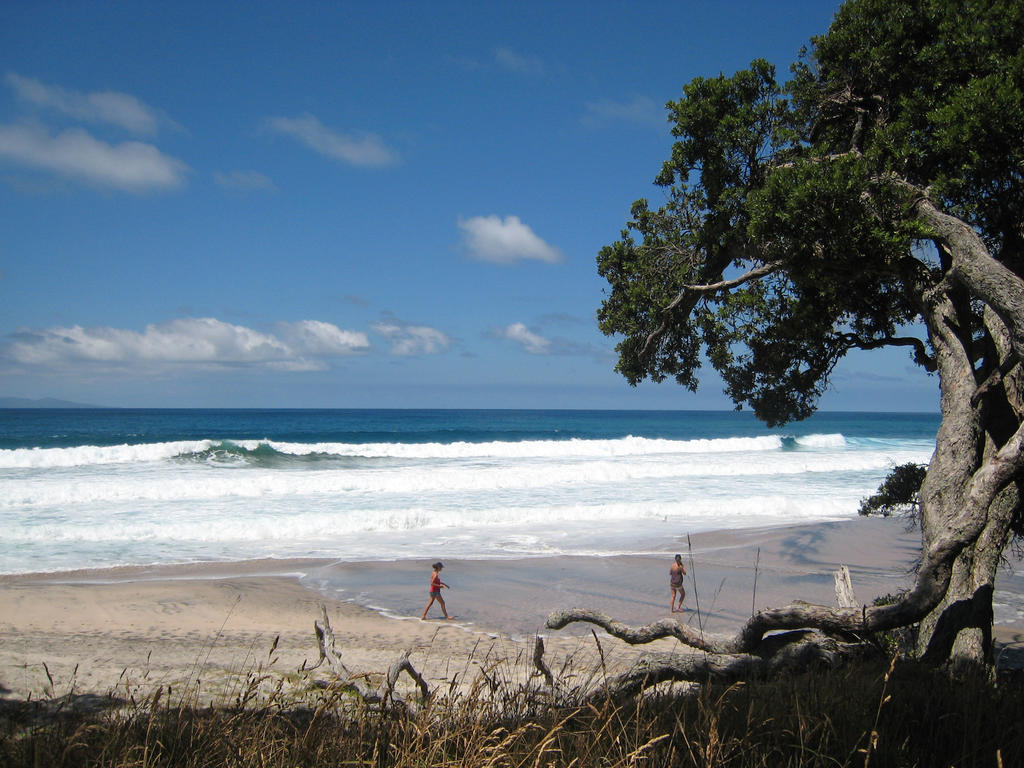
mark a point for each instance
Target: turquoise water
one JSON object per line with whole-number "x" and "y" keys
{"x": 100, "y": 488}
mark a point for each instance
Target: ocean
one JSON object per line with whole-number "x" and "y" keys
{"x": 90, "y": 488}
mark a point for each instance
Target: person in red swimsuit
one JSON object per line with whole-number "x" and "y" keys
{"x": 435, "y": 591}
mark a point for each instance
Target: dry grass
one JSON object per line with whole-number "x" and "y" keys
{"x": 872, "y": 714}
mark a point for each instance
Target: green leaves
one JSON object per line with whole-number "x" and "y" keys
{"x": 817, "y": 181}
{"x": 899, "y": 493}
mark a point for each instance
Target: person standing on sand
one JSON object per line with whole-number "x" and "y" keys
{"x": 675, "y": 581}
{"x": 435, "y": 591}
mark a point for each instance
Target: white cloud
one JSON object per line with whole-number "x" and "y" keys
{"x": 110, "y": 107}
{"x": 505, "y": 241}
{"x": 640, "y": 110}
{"x": 315, "y": 337}
{"x": 518, "y": 62}
{"x": 243, "y": 181}
{"x": 527, "y": 339}
{"x": 363, "y": 149}
{"x": 202, "y": 341}
{"x": 131, "y": 166}
{"x": 413, "y": 339}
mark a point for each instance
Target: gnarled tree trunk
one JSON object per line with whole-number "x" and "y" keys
{"x": 969, "y": 497}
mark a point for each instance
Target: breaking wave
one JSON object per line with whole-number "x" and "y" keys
{"x": 230, "y": 452}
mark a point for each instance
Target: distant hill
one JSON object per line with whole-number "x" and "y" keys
{"x": 45, "y": 402}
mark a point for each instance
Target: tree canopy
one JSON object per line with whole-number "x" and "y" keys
{"x": 874, "y": 199}
{"x": 788, "y": 235}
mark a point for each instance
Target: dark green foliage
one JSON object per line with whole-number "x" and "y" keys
{"x": 899, "y": 493}
{"x": 938, "y": 83}
{"x": 806, "y": 188}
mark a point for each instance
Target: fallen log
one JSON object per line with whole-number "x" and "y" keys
{"x": 790, "y": 652}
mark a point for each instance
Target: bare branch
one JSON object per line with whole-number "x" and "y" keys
{"x": 540, "y": 664}
{"x": 816, "y": 635}
{"x": 326, "y": 643}
{"x": 402, "y": 664}
{"x": 640, "y": 635}
{"x": 819, "y": 158}
{"x": 858, "y": 130}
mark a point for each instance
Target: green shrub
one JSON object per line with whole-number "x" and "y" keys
{"x": 899, "y": 493}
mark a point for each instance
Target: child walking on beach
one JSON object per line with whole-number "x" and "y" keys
{"x": 435, "y": 591}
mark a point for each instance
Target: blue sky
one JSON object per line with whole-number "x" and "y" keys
{"x": 385, "y": 204}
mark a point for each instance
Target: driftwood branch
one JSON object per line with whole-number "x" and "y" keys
{"x": 329, "y": 654}
{"x": 326, "y": 643}
{"x": 844, "y": 588}
{"x": 540, "y": 664}
{"x": 402, "y": 664}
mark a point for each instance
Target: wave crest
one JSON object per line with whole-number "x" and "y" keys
{"x": 821, "y": 441}
{"x": 83, "y": 455}
{"x": 239, "y": 451}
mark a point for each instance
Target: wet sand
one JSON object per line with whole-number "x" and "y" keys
{"x": 729, "y": 574}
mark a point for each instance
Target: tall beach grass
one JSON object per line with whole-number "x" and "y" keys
{"x": 499, "y": 713}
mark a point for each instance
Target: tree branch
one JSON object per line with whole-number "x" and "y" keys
{"x": 996, "y": 377}
{"x": 796, "y": 616}
{"x": 689, "y": 290}
{"x": 993, "y": 475}
{"x": 971, "y": 263}
{"x": 639, "y": 635}
{"x": 724, "y": 285}
{"x": 921, "y": 354}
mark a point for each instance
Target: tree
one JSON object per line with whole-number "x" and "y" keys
{"x": 879, "y": 191}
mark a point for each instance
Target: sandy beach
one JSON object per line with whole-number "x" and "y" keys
{"x": 209, "y": 625}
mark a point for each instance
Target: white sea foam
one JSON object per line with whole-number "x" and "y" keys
{"x": 821, "y": 441}
{"x": 626, "y": 446}
{"x": 93, "y": 506}
{"x": 283, "y": 533}
{"x": 199, "y": 483}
